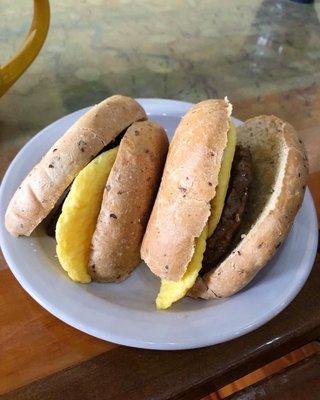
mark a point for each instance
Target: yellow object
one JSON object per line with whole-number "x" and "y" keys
{"x": 16, "y": 66}
{"x": 171, "y": 291}
{"x": 77, "y": 222}
{"x": 217, "y": 203}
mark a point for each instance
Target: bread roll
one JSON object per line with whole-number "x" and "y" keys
{"x": 189, "y": 181}
{"x": 41, "y": 189}
{"x": 127, "y": 202}
{"x": 276, "y": 194}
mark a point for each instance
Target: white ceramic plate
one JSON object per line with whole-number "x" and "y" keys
{"x": 125, "y": 313}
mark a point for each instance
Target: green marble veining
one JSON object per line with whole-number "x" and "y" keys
{"x": 182, "y": 49}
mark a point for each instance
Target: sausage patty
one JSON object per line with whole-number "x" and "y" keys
{"x": 219, "y": 243}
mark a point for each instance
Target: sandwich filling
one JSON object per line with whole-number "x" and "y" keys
{"x": 227, "y": 208}
{"x": 218, "y": 245}
{"x": 72, "y": 222}
{"x": 78, "y": 219}
{"x": 52, "y": 219}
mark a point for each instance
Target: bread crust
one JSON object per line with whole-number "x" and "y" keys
{"x": 273, "y": 224}
{"x": 189, "y": 181}
{"x": 41, "y": 189}
{"x": 127, "y": 202}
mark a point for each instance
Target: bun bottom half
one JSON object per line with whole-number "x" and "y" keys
{"x": 280, "y": 170}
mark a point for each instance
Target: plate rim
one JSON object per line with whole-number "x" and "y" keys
{"x": 125, "y": 340}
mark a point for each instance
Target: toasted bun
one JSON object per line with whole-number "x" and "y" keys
{"x": 46, "y": 182}
{"x": 189, "y": 182}
{"x": 280, "y": 174}
{"x": 127, "y": 202}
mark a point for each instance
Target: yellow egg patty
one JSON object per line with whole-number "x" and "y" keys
{"x": 170, "y": 291}
{"x": 77, "y": 222}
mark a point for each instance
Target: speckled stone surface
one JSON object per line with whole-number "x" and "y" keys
{"x": 182, "y": 49}
{"x": 263, "y": 54}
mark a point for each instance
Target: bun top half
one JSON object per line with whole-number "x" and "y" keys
{"x": 41, "y": 189}
{"x": 188, "y": 184}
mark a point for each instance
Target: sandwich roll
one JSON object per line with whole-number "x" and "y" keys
{"x": 103, "y": 218}
{"x": 44, "y": 185}
{"x": 226, "y": 202}
{"x": 280, "y": 176}
{"x": 127, "y": 202}
{"x": 189, "y": 201}
{"x": 184, "y": 199}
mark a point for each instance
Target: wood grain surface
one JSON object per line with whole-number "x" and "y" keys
{"x": 267, "y": 370}
{"x": 299, "y": 381}
{"x": 127, "y": 373}
{"x": 33, "y": 343}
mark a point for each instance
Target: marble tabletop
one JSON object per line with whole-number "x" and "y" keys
{"x": 263, "y": 54}
{"x": 179, "y": 49}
